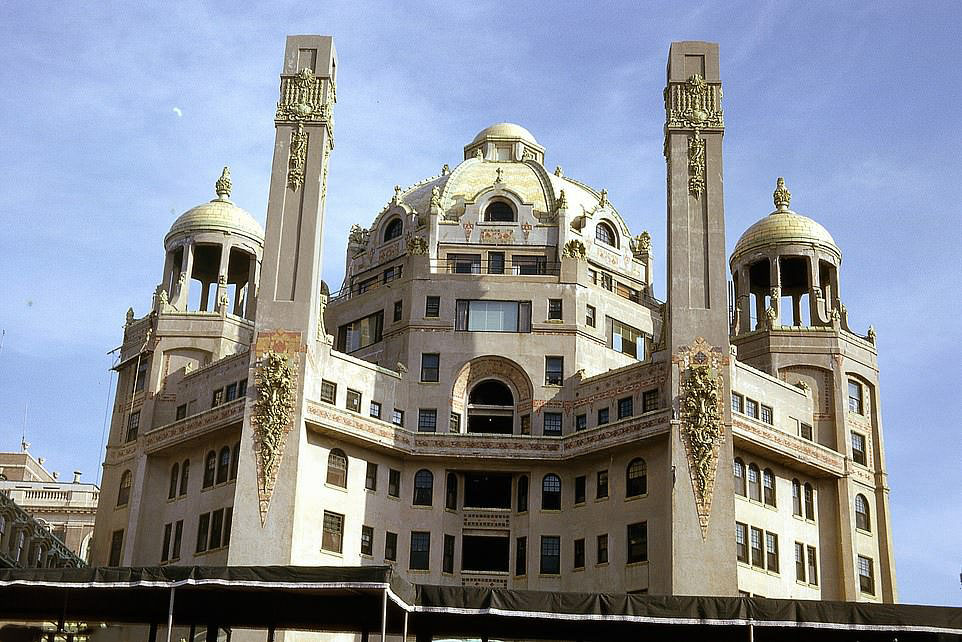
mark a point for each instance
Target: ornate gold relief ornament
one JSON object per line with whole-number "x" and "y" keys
{"x": 273, "y": 411}
{"x": 574, "y": 249}
{"x": 702, "y": 416}
{"x": 693, "y": 104}
{"x": 302, "y": 98}
{"x": 298, "y": 158}
{"x": 696, "y": 164}
{"x": 417, "y": 246}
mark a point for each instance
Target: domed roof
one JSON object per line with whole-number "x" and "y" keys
{"x": 784, "y": 226}
{"x": 219, "y": 214}
{"x": 505, "y": 130}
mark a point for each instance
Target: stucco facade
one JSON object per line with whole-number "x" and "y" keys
{"x": 494, "y": 396}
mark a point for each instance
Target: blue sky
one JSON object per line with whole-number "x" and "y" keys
{"x": 115, "y": 118}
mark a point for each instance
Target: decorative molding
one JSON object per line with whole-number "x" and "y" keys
{"x": 417, "y": 246}
{"x": 696, "y": 164}
{"x": 271, "y": 418}
{"x": 641, "y": 245}
{"x": 298, "y": 158}
{"x": 694, "y": 104}
{"x": 702, "y": 416}
{"x": 302, "y": 98}
{"x": 574, "y": 249}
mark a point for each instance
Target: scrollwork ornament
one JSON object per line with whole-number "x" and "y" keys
{"x": 696, "y": 164}
{"x": 272, "y": 416}
{"x": 298, "y": 158}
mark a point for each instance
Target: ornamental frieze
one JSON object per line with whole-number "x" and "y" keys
{"x": 223, "y": 415}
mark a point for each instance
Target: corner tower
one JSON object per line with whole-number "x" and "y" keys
{"x": 696, "y": 335}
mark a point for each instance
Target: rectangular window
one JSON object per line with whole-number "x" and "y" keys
{"x": 805, "y": 432}
{"x": 430, "y": 366}
{"x": 397, "y": 417}
{"x": 375, "y": 410}
{"x": 398, "y": 309}
{"x": 812, "y": 566}
{"x": 394, "y": 483}
{"x": 525, "y": 424}
{"x": 866, "y": 575}
{"x": 606, "y": 281}
{"x": 581, "y": 422}
{"x": 203, "y": 530}
{"x": 217, "y": 398}
{"x": 855, "y": 401}
{"x": 140, "y": 378}
{"x": 771, "y": 547}
{"x": 133, "y": 426}
{"x": 181, "y": 412}
{"x": 758, "y": 553}
{"x": 796, "y": 498}
{"x": 390, "y": 546}
{"x": 602, "y": 416}
{"x": 391, "y": 274}
{"x": 580, "y": 489}
{"x": 858, "y": 448}
{"x": 427, "y": 420}
{"x": 353, "y": 400}
{"x": 360, "y": 287}
{"x": 332, "y": 538}
{"x": 529, "y": 264}
{"x": 625, "y": 339}
{"x": 649, "y": 400}
{"x": 579, "y": 551}
{"x": 370, "y": 477}
{"x": 495, "y": 262}
{"x": 328, "y": 392}
{"x": 367, "y": 540}
{"x": 447, "y": 561}
{"x": 360, "y": 333}
{"x": 464, "y": 263}
{"x": 601, "y": 489}
{"x": 228, "y": 522}
{"x": 454, "y": 422}
{"x": 178, "y": 537}
{"x": 799, "y": 562}
{"x": 590, "y": 316}
{"x": 166, "y": 546}
{"x": 116, "y": 548}
{"x": 492, "y": 316}
{"x": 638, "y": 542}
{"x": 420, "y": 551}
{"x": 432, "y": 307}
{"x": 751, "y": 408}
{"x": 552, "y": 424}
{"x": 625, "y": 407}
{"x": 767, "y": 415}
{"x": 741, "y": 542}
{"x": 737, "y": 402}
{"x": 554, "y": 309}
{"x": 216, "y": 529}
{"x": 242, "y": 388}
{"x": 809, "y": 502}
{"x": 550, "y": 555}
{"x": 602, "y": 549}
{"x": 553, "y": 371}
{"x": 230, "y": 393}
{"x": 521, "y": 556}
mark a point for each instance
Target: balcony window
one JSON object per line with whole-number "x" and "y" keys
{"x": 464, "y": 263}
{"x": 495, "y": 262}
{"x": 528, "y": 264}
{"x": 361, "y": 333}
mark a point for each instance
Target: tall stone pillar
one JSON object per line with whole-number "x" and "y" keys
{"x": 285, "y": 354}
{"x": 702, "y": 498}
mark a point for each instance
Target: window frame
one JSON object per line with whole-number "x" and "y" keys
{"x": 423, "y": 488}
{"x": 741, "y": 547}
{"x": 332, "y": 540}
{"x": 555, "y": 310}
{"x": 626, "y": 407}
{"x": 550, "y": 555}
{"x": 556, "y": 426}
{"x": 427, "y": 419}
{"x": 352, "y": 401}
{"x": 870, "y": 576}
{"x": 432, "y": 307}
{"x": 601, "y": 484}
{"x": 636, "y": 547}
{"x": 636, "y": 478}
{"x": 429, "y": 371}
{"x": 337, "y": 474}
{"x": 554, "y": 376}
{"x": 863, "y": 517}
{"x": 551, "y": 497}
{"x": 370, "y": 477}
{"x": 601, "y": 549}
{"x": 423, "y": 551}
{"x": 367, "y": 533}
{"x": 859, "y": 454}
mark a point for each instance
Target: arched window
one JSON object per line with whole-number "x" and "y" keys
{"x": 491, "y": 408}
{"x": 809, "y": 502}
{"x": 499, "y": 212}
{"x": 523, "y": 494}
{"x": 234, "y": 459}
{"x": 184, "y": 476}
{"x": 740, "y": 477}
{"x": 754, "y": 483}
{"x": 223, "y": 465}
{"x": 862, "y": 518}
{"x": 551, "y": 492}
{"x": 337, "y": 468}
{"x": 636, "y": 482}
{"x": 451, "y": 494}
{"x": 606, "y": 234}
{"x": 796, "y": 498}
{"x": 393, "y": 229}
{"x": 174, "y": 478}
{"x": 768, "y": 479}
{"x": 423, "y": 487}
{"x": 210, "y": 468}
{"x": 123, "y": 494}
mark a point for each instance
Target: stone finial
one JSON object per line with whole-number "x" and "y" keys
{"x": 781, "y": 195}
{"x": 562, "y": 200}
{"x": 445, "y": 170}
{"x": 397, "y": 194}
{"x": 603, "y": 199}
{"x": 558, "y": 171}
{"x": 478, "y": 154}
{"x": 500, "y": 175}
{"x": 130, "y": 316}
{"x": 871, "y": 334}
{"x": 436, "y": 196}
{"x": 223, "y": 185}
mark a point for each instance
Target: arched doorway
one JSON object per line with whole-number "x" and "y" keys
{"x": 491, "y": 408}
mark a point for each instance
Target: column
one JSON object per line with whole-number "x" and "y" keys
{"x": 743, "y": 300}
{"x": 221, "y": 302}
{"x": 251, "y": 302}
{"x": 183, "y": 287}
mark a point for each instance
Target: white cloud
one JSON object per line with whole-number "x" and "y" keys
{"x": 179, "y": 112}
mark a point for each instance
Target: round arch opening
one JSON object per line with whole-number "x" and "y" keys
{"x": 491, "y": 408}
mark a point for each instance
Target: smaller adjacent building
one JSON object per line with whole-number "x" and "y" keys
{"x": 43, "y": 522}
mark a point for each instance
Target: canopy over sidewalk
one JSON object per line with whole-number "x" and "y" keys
{"x": 360, "y": 599}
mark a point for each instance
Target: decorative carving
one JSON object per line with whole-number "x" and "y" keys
{"x": 272, "y": 416}
{"x": 130, "y": 316}
{"x": 558, "y": 171}
{"x": 603, "y": 199}
{"x": 528, "y": 155}
{"x": 397, "y": 195}
{"x": 298, "y": 158}
{"x": 301, "y": 98}
{"x": 694, "y": 104}
{"x": 499, "y": 175}
{"x": 696, "y": 164}
{"x": 871, "y": 334}
{"x": 223, "y": 185}
{"x": 771, "y": 316}
{"x": 358, "y": 235}
{"x": 468, "y": 227}
{"x": 222, "y": 301}
{"x": 445, "y": 170}
{"x": 574, "y": 249}
{"x": 562, "y": 200}
{"x": 803, "y": 385}
{"x": 417, "y": 246}
{"x": 161, "y": 295}
{"x": 436, "y": 197}
{"x": 781, "y": 195}
{"x": 478, "y": 154}
{"x": 702, "y": 413}
{"x": 526, "y": 229}
{"x": 641, "y": 244}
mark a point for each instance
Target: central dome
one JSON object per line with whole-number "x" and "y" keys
{"x": 219, "y": 215}
{"x": 504, "y": 131}
{"x": 505, "y": 142}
